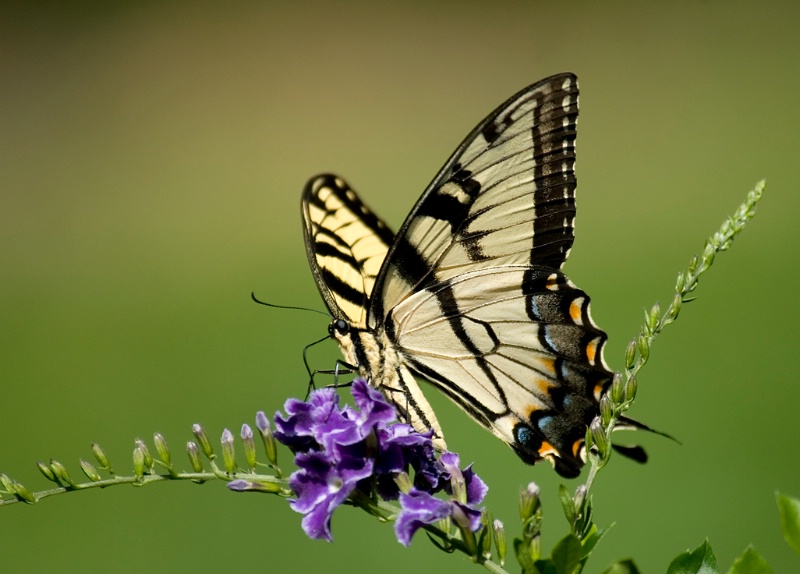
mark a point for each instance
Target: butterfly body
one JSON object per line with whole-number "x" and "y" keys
{"x": 469, "y": 295}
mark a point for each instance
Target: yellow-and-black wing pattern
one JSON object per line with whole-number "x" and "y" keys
{"x": 469, "y": 294}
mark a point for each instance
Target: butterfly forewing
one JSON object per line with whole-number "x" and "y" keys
{"x": 469, "y": 295}
{"x": 346, "y": 245}
{"x": 506, "y": 196}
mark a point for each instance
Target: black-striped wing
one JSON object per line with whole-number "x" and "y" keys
{"x": 470, "y": 295}
{"x": 346, "y": 245}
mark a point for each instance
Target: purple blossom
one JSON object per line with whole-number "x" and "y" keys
{"x": 419, "y": 508}
{"x": 339, "y": 450}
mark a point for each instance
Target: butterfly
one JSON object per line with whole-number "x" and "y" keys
{"x": 469, "y": 293}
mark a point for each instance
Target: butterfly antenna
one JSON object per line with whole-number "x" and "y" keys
{"x": 274, "y": 306}
{"x": 308, "y": 368}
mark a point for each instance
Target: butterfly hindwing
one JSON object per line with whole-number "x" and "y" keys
{"x": 469, "y": 294}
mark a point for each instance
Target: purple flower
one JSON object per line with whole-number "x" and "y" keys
{"x": 339, "y": 450}
{"x": 419, "y": 508}
{"x": 321, "y": 485}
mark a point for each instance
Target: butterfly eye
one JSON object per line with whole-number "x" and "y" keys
{"x": 339, "y": 327}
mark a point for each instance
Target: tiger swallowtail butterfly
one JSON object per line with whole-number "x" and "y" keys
{"x": 469, "y": 293}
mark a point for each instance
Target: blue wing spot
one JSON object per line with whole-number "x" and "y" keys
{"x": 544, "y": 422}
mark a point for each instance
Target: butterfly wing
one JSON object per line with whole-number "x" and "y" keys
{"x": 346, "y": 244}
{"x": 471, "y": 292}
{"x": 506, "y": 196}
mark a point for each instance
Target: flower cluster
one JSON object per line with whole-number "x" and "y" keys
{"x": 344, "y": 452}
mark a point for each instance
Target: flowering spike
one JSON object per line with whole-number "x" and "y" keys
{"x": 202, "y": 440}
{"x": 100, "y": 457}
{"x": 228, "y": 452}
{"x": 89, "y": 470}
{"x": 46, "y": 471}
{"x": 249, "y": 446}
{"x": 162, "y": 449}
{"x": 194, "y": 456}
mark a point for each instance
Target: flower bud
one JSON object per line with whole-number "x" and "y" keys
{"x": 528, "y": 501}
{"x": 194, "y": 456}
{"x": 606, "y": 409}
{"x": 61, "y": 472}
{"x": 254, "y": 486}
{"x": 499, "y": 536}
{"x": 228, "y": 452}
{"x": 270, "y": 448}
{"x": 599, "y": 437}
{"x": 148, "y": 458}
{"x": 249, "y": 446}
{"x": 23, "y": 493}
{"x": 676, "y": 307}
{"x": 89, "y": 470}
{"x": 100, "y": 457}
{"x": 630, "y": 354}
{"x": 631, "y": 388}
{"x": 46, "y": 471}
{"x": 7, "y": 483}
{"x": 652, "y": 320}
{"x": 138, "y": 461}
{"x": 202, "y": 440}
{"x": 162, "y": 449}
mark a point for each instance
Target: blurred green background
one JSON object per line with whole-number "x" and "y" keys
{"x": 152, "y": 159}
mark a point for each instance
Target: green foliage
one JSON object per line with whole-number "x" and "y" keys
{"x": 750, "y": 562}
{"x": 790, "y": 520}
{"x": 701, "y": 560}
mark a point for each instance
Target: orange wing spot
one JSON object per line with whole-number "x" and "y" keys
{"x": 547, "y": 449}
{"x": 549, "y": 365}
{"x": 552, "y": 282}
{"x": 576, "y": 310}
{"x": 591, "y": 351}
{"x": 576, "y": 447}
{"x": 598, "y": 390}
{"x": 543, "y": 385}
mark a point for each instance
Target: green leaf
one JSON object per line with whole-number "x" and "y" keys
{"x": 567, "y": 505}
{"x": 790, "y": 520}
{"x": 567, "y": 555}
{"x": 750, "y": 562}
{"x": 522, "y": 552}
{"x": 592, "y": 538}
{"x": 701, "y": 560}
{"x": 622, "y": 567}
